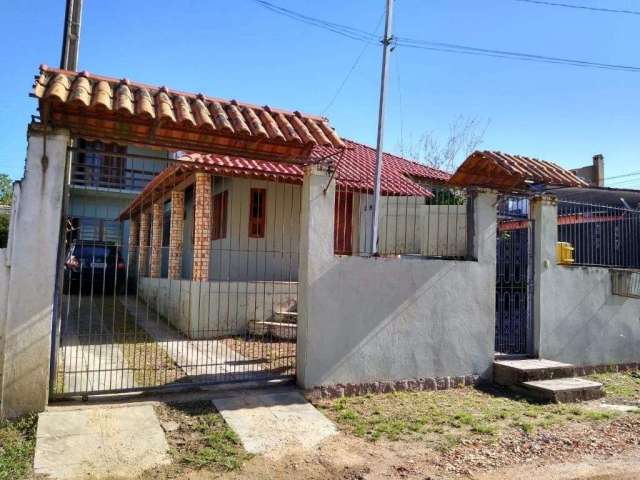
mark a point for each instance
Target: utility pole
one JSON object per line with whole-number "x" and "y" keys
{"x": 71, "y": 35}
{"x": 386, "y": 50}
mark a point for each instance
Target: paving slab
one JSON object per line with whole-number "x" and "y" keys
{"x": 96, "y": 443}
{"x": 273, "y": 424}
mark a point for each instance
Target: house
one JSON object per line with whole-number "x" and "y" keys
{"x": 255, "y": 227}
{"x": 271, "y": 221}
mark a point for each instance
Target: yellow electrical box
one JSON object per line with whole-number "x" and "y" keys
{"x": 564, "y": 253}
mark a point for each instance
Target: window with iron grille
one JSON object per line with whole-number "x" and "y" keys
{"x": 219, "y": 216}
{"x": 257, "y": 212}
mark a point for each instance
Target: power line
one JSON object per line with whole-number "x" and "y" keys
{"x": 456, "y": 48}
{"x": 363, "y": 36}
{"x": 630, "y": 174}
{"x": 353, "y": 67}
{"x": 580, "y": 7}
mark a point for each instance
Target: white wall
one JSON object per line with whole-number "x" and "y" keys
{"x": 33, "y": 262}
{"x": 584, "y": 323}
{"x": 215, "y": 309}
{"x": 274, "y": 257}
{"x": 367, "y": 319}
{"x": 577, "y": 318}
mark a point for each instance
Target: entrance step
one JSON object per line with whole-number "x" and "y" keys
{"x": 281, "y": 330}
{"x": 286, "y": 317}
{"x": 513, "y": 372}
{"x": 562, "y": 390}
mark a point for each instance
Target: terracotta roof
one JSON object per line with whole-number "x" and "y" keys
{"x": 101, "y": 107}
{"x": 355, "y": 169}
{"x": 511, "y": 172}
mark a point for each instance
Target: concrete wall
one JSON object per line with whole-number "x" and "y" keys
{"x": 367, "y": 319}
{"x": 213, "y": 309}
{"x": 32, "y": 261}
{"x": 578, "y": 319}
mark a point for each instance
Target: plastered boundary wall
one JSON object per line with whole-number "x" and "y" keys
{"x": 578, "y": 319}
{"x": 366, "y": 319}
{"x": 29, "y": 273}
{"x": 204, "y": 310}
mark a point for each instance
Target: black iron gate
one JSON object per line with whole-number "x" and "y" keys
{"x": 174, "y": 274}
{"x": 514, "y": 277}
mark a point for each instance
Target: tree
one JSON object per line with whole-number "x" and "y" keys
{"x": 6, "y": 192}
{"x": 6, "y": 189}
{"x": 465, "y": 136}
{"x": 4, "y": 230}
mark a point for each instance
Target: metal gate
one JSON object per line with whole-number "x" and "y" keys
{"x": 174, "y": 273}
{"x": 514, "y": 277}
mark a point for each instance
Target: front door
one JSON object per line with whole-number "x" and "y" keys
{"x": 514, "y": 278}
{"x": 342, "y": 232}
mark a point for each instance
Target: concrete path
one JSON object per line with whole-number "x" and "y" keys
{"x": 109, "y": 442}
{"x": 197, "y": 358}
{"x": 89, "y": 360}
{"x": 272, "y": 424}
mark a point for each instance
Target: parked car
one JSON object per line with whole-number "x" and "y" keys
{"x": 94, "y": 267}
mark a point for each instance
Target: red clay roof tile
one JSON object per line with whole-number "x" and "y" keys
{"x": 354, "y": 169}
{"x": 113, "y": 96}
{"x": 511, "y": 172}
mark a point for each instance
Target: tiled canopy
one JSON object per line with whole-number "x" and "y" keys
{"x": 118, "y": 110}
{"x": 511, "y": 172}
{"x": 355, "y": 169}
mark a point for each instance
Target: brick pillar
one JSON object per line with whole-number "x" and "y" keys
{"x": 156, "y": 239}
{"x": 143, "y": 258}
{"x": 175, "y": 235}
{"x": 134, "y": 231}
{"x": 202, "y": 227}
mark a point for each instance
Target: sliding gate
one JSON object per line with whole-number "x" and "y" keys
{"x": 514, "y": 277}
{"x": 173, "y": 275}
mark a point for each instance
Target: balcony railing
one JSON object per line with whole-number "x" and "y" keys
{"x": 110, "y": 177}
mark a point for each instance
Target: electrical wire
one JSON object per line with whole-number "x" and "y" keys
{"x": 630, "y": 174}
{"x": 580, "y": 7}
{"x": 407, "y": 42}
{"x": 456, "y": 48}
{"x": 353, "y": 67}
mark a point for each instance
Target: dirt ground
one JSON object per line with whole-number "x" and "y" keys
{"x": 607, "y": 450}
{"x": 345, "y": 458}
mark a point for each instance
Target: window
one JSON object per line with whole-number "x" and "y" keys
{"x": 219, "y": 216}
{"x": 96, "y": 168}
{"x": 257, "y": 212}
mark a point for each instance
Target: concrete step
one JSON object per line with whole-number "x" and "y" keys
{"x": 513, "y": 372}
{"x": 562, "y": 390}
{"x": 281, "y": 330}
{"x": 286, "y": 317}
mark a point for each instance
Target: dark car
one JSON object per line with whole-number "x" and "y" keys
{"x": 92, "y": 267}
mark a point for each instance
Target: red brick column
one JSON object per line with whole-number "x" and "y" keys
{"x": 143, "y": 258}
{"x": 176, "y": 234}
{"x": 156, "y": 240}
{"x": 202, "y": 227}
{"x": 134, "y": 232}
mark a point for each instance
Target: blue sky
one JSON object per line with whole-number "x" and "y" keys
{"x": 237, "y": 49}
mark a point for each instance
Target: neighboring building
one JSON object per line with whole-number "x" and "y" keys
{"x": 104, "y": 179}
{"x": 592, "y": 174}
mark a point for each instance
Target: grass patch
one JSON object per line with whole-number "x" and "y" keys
{"x": 444, "y": 419}
{"x": 17, "y": 443}
{"x": 623, "y": 386}
{"x": 203, "y": 440}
